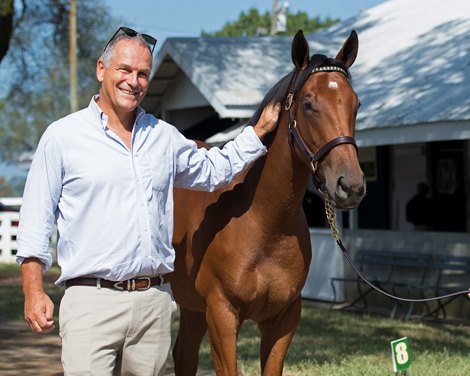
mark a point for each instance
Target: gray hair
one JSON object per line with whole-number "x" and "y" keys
{"x": 108, "y": 52}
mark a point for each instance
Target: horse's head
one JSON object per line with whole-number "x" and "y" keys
{"x": 322, "y": 109}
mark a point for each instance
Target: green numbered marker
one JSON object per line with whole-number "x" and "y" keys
{"x": 400, "y": 354}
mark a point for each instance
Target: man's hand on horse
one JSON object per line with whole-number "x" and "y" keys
{"x": 268, "y": 120}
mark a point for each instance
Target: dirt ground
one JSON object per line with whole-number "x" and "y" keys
{"x": 23, "y": 352}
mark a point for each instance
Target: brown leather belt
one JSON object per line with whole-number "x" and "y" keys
{"x": 135, "y": 284}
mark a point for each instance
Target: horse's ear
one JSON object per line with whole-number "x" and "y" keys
{"x": 348, "y": 52}
{"x": 300, "y": 50}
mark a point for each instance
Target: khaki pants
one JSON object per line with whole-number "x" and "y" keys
{"x": 111, "y": 332}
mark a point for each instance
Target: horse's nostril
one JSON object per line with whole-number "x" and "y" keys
{"x": 343, "y": 186}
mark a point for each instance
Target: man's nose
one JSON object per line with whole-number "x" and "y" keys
{"x": 133, "y": 79}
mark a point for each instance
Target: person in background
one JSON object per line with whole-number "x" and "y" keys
{"x": 105, "y": 175}
{"x": 419, "y": 210}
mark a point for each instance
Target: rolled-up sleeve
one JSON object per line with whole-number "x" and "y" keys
{"x": 211, "y": 169}
{"x": 41, "y": 195}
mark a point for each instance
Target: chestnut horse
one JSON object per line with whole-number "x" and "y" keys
{"x": 243, "y": 252}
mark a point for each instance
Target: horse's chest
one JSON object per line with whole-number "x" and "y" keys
{"x": 269, "y": 280}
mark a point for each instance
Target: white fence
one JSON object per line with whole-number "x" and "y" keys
{"x": 8, "y": 230}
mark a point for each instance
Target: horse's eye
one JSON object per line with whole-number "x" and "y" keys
{"x": 307, "y": 105}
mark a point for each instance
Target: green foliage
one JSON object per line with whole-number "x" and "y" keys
{"x": 38, "y": 66}
{"x": 16, "y": 186}
{"x": 5, "y": 187}
{"x": 252, "y": 23}
{"x": 247, "y": 25}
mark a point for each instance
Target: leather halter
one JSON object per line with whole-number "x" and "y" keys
{"x": 315, "y": 158}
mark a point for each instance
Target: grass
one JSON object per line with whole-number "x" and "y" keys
{"x": 337, "y": 343}
{"x": 345, "y": 343}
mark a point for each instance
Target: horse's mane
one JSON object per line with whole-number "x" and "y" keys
{"x": 279, "y": 91}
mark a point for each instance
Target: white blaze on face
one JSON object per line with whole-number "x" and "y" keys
{"x": 333, "y": 85}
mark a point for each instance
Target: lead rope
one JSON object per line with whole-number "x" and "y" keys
{"x": 331, "y": 218}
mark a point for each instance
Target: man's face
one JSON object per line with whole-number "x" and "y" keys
{"x": 124, "y": 82}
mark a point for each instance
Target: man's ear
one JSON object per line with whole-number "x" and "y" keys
{"x": 99, "y": 70}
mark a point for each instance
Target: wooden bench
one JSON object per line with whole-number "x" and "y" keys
{"x": 399, "y": 273}
{"x": 450, "y": 274}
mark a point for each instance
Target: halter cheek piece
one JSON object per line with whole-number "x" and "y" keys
{"x": 315, "y": 158}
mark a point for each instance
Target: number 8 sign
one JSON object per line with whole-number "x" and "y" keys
{"x": 400, "y": 354}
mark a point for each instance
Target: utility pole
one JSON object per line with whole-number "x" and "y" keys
{"x": 73, "y": 55}
{"x": 274, "y": 17}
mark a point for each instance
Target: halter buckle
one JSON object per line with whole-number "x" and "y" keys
{"x": 289, "y": 101}
{"x": 314, "y": 165}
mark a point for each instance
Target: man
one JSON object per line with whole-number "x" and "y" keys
{"x": 419, "y": 209}
{"x": 105, "y": 174}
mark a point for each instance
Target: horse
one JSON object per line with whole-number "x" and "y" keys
{"x": 243, "y": 252}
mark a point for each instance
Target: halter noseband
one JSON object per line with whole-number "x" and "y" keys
{"x": 317, "y": 157}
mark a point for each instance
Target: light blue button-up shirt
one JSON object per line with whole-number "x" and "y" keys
{"x": 114, "y": 206}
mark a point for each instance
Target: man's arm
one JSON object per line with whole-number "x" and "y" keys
{"x": 214, "y": 168}
{"x": 38, "y": 307}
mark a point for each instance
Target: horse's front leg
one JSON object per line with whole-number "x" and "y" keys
{"x": 223, "y": 325}
{"x": 276, "y": 336}
{"x": 192, "y": 329}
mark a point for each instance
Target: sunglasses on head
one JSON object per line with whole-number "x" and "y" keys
{"x": 151, "y": 41}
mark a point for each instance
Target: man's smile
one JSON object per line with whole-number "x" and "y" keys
{"x": 129, "y": 92}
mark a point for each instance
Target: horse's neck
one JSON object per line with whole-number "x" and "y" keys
{"x": 283, "y": 177}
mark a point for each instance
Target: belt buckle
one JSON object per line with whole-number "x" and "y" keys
{"x": 149, "y": 283}
{"x": 130, "y": 284}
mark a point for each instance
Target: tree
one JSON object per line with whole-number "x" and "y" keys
{"x": 6, "y": 26}
{"x": 252, "y": 23}
{"x": 37, "y": 68}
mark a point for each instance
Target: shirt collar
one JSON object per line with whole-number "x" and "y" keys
{"x": 98, "y": 112}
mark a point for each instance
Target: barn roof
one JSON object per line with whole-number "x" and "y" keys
{"x": 413, "y": 68}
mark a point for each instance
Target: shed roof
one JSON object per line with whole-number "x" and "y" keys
{"x": 413, "y": 68}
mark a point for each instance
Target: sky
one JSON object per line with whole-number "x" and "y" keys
{"x": 187, "y": 18}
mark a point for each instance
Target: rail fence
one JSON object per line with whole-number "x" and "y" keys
{"x": 8, "y": 230}
{"x": 9, "y": 221}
